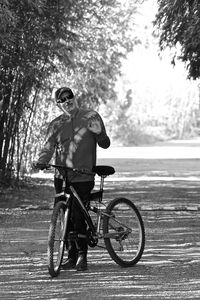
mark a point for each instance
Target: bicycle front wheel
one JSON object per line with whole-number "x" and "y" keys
{"x": 56, "y": 239}
{"x": 123, "y": 230}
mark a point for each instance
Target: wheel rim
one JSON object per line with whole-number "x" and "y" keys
{"x": 124, "y": 232}
{"x": 58, "y": 242}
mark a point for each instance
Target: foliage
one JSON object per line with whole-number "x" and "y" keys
{"x": 164, "y": 103}
{"x": 97, "y": 65}
{"x": 45, "y": 43}
{"x": 25, "y": 60}
{"x": 178, "y": 23}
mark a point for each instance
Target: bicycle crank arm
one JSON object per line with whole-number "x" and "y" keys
{"x": 116, "y": 235}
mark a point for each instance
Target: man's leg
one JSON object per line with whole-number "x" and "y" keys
{"x": 58, "y": 185}
{"x": 83, "y": 189}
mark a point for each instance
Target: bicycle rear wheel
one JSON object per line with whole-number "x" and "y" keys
{"x": 124, "y": 234}
{"x": 56, "y": 239}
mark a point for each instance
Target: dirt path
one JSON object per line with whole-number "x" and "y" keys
{"x": 169, "y": 268}
{"x": 167, "y": 193}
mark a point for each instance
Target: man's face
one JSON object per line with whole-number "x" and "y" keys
{"x": 67, "y": 105}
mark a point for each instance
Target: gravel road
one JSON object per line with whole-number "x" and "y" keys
{"x": 169, "y": 268}
{"x": 167, "y": 192}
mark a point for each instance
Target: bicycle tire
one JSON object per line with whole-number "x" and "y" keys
{"x": 124, "y": 234}
{"x": 56, "y": 243}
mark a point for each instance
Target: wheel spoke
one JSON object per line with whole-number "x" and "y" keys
{"x": 124, "y": 232}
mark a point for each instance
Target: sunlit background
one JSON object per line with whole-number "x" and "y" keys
{"x": 156, "y": 101}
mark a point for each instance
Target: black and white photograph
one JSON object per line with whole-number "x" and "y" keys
{"x": 100, "y": 149}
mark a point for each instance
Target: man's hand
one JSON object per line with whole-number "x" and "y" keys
{"x": 94, "y": 124}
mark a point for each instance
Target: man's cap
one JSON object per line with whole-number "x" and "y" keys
{"x": 62, "y": 90}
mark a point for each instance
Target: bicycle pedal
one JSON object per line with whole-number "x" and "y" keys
{"x": 81, "y": 236}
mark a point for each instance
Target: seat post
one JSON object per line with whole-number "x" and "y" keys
{"x": 102, "y": 183}
{"x": 101, "y": 189}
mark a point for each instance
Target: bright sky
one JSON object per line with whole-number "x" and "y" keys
{"x": 145, "y": 62}
{"x": 151, "y": 78}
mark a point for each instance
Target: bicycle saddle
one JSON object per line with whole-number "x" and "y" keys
{"x": 103, "y": 170}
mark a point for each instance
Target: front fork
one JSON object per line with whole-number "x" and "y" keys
{"x": 66, "y": 219}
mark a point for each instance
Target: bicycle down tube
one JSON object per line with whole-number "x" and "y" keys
{"x": 86, "y": 215}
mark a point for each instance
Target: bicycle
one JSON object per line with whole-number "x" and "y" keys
{"x": 120, "y": 224}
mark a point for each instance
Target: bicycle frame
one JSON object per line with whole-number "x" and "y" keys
{"x": 83, "y": 209}
{"x": 123, "y": 238}
{"x": 98, "y": 211}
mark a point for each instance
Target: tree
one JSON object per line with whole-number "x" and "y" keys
{"x": 26, "y": 53}
{"x": 42, "y": 39}
{"x": 178, "y": 23}
{"x": 105, "y": 37}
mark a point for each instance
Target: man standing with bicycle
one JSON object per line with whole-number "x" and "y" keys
{"x": 73, "y": 137}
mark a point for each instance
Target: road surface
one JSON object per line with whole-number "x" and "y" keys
{"x": 167, "y": 192}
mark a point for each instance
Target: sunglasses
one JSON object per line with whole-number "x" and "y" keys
{"x": 64, "y": 99}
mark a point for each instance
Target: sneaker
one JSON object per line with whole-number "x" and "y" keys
{"x": 70, "y": 263}
{"x": 81, "y": 264}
